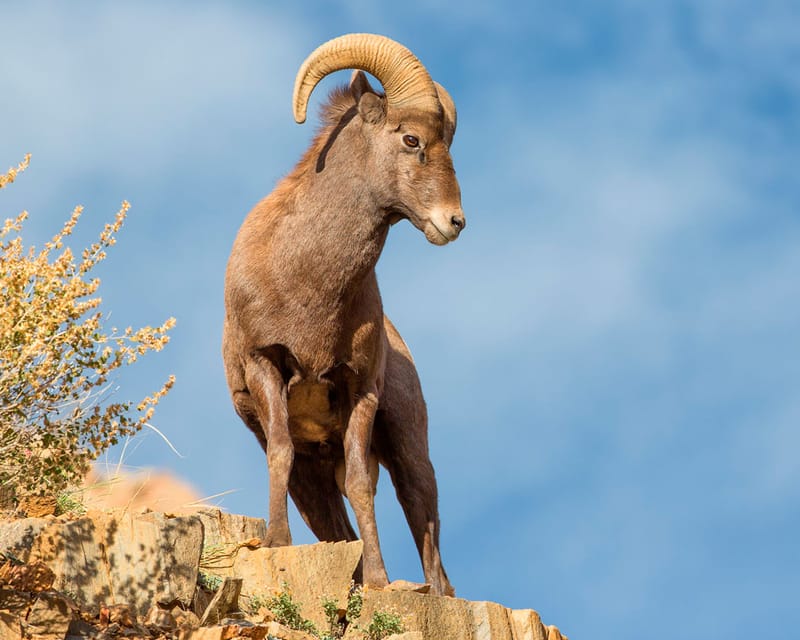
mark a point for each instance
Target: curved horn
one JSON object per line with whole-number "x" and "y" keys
{"x": 402, "y": 75}
{"x": 449, "y": 109}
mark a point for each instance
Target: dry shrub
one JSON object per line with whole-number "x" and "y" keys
{"x": 57, "y": 358}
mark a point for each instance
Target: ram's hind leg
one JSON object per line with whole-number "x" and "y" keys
{"x": 246, "y": 410}
{"x": 415, "y": 483}
{"x": 314, "y": 491}
{"x": 242, "y": 400}
{"x": 400, "y": 439}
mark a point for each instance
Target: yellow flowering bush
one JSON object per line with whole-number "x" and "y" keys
{"x": 56, "y": 360}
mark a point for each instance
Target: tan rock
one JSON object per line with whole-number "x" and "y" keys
{"x": 405, "y": 585}
{"x": 285, "y": 633}
{"x": 224, "y": 601}
{"x": 70, "y": 549}
{"x": 203, "y": 633}
{"x": 34, "y": 577}
{"x": 259, "y": 633}
{"x": 201, "y": 600}
{"x": 492, "y": 621}
{"x": 122, "y": 614}
{"x": 251, "y": 632}
{"x": 18, "y": 535}
{"x": 185, "y": 617}
{"x": 161, "y": 618}
{"x": 113, "y": 557}
{"x": 311, "y": 571}
{"x": 10, "y": 627}
{"x": 262, "y": 616}
{"x": 435, "y": 617}
{"x": 227, "y": 530}
{"x": 432, "y": 616}
{"x": 528, "y": 625}
{"x": 80, "y": 628}
{"x": 49, "y": 617}
{"x": 150, "y": 557}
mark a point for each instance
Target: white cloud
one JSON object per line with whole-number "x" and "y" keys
{"x": 126, "y": 90}
{"x": 599, "y": 263}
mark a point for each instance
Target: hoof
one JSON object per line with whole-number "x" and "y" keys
{"x": 405, "y": 585}
{"x": 276, "y": 539}
{"x": 379, "y": 582}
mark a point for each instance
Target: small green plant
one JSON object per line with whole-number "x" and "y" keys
{"x": 355, "y": 602}
{"x": 255, "y": 603}
{"x": 209, "y": 581}
{"x": 287, "y": 611}
{"x": 338, "y": 623}
{"x": 382, "y": 624}
{"x": 69, "y": 502}
{"x": 335, "y": 625}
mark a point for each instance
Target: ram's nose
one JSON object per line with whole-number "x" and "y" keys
{"x": 444, "y": 224}
{"x": 458, "y": 222}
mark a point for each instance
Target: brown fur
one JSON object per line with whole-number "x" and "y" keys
{"x": 315, "y": 368}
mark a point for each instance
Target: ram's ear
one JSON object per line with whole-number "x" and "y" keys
{"x": 371, "y": 106}
{"x": 449, "y": 113}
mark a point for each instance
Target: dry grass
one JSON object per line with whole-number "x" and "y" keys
{"x": 57, "y": 359}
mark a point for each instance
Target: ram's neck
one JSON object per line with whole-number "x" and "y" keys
{"x": 345, "y": 235}
{"x": 330, "y": 235}
{"x": 340, "y": 229}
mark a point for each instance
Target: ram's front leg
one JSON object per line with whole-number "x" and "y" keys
{"x": 268, "y": 391}
{"x": 359, "y": 485}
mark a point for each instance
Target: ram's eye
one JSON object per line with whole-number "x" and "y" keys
{"x": 411, "y": 141}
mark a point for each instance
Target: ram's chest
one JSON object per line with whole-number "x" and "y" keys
{"x": 314, "y": 414}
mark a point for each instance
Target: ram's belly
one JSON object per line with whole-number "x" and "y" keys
{"x": 312, "y": 414}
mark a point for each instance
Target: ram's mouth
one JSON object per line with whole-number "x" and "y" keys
{"x": 428, "y": 227}
{"x": 434, "y": 234}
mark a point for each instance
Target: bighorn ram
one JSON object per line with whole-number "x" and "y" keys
{"x": 315, "y": 368}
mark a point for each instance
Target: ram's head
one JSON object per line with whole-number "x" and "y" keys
{"x": 408, "y": 131}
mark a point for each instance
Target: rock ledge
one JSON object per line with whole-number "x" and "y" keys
{"x": 153, "y": 575}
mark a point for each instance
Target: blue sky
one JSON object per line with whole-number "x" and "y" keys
{"x": 612, "y": 371}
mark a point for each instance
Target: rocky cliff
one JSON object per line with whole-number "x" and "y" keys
{"x": 205, "y": 576}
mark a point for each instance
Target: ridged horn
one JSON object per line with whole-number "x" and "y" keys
{"x": 404, "y": 79}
